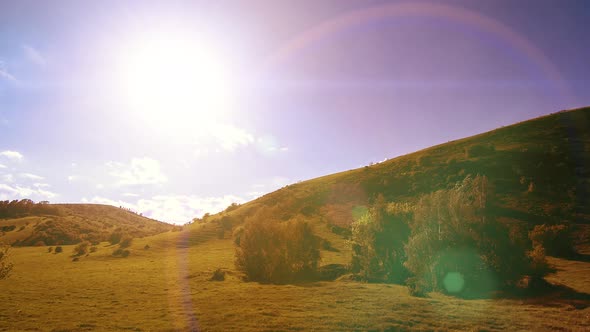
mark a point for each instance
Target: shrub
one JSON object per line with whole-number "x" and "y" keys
{"x": 126, "y": 242}
{"x": 50, "y": 249}
{"x": 115, "y": 238}
{"x": 81, "y": 248}
{"x": 539, "y": 265}
{"x": 220, "y": 233}
{"x": 417, "y": 287}
{"x": 232, "y": 207}
{"x": 226, "y": 223}
{"x": 218, "y": 275}
{"x": 58, "y": 249}
{"x": 119, "y": 252}
{"x": 75, "y": 259}
{"x": 272, "y": 251}
{"x": 93, "y": 249}
{"x": 146, "y": 247}
{"x": 5, "y": 265}
{"x": 7, "y": 229}
{"x": 327, "y": 245}
{"x": 237, "y": 234}
{"x": 556, "y": 240}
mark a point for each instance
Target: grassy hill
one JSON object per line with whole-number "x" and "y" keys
{"x": 73, "y": 223}
{"x": 538, "y": 168}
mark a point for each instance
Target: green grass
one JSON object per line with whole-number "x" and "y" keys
{"x": 551, "y": 152}
{"x": 166, "y": 287}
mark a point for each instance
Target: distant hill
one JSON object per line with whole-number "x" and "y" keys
{"x": 27, "y": 224}
{"x": 540, "y": 170}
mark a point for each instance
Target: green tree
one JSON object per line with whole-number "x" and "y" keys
{"x": 378, "y": 239}
{"x": 457, "y": 246}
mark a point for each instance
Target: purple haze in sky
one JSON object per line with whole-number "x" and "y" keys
{"x": 317, "y": 87}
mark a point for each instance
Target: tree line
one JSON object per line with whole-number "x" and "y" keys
{"x": 26, "y": 207}
{"x": 448, "y": 241}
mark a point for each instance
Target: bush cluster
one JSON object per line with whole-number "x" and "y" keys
{"x": 556, "y": 240}
{"x": 272, "y": 251}
{"x": 449, "y": 241}
{"x": 119, "y": 252}
{"x": 81, "y": 248}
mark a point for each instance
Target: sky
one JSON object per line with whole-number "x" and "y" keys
{"x": 178, "y": 108}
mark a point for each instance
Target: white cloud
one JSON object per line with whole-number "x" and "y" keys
{"x": 18, "y": 191}
{"x": 34, "y": 55}
{"x": 224, "y": 137}
{"x": 279, "y": 181}
{"x": 139, "y": 171}
{"x": 269, "y": 144}
{"x": 4, "y": 73}
{"x": 130, "y": 195}
{"x": 255, "y": 194}
{"x": 269, "y": 185}
{"x": 12, "y": 155}
{"x": 183, "y": 208}
{"x": 231, "y": 137}
{"x": 7, "y": 178}
{"x": 30, "y": 176}
{"x": 2, "y": 166}
{"x": 219, "y": 136}
{"x": 72, "y": 178}
{"x": 177, "y": 209}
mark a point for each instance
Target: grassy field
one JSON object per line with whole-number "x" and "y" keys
{"x": 536, "y": 168}
{"x": 167, "y": 288}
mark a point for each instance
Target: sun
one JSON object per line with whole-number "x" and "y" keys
{"x": 173, "y": 80}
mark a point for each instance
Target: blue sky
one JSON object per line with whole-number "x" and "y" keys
{"x": 177, "y": 108}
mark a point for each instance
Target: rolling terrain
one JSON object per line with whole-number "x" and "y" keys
{"x": 539, "y": 172}
{"x": 538, "y": 168}
{"x": 73, "y": 223}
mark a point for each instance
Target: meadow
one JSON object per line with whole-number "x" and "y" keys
{"x": 165, "y": 284}
{"x": 168, "y": 288}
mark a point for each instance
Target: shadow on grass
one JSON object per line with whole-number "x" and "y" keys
{"x": 549, "y": 295}
{"x": 581, "y": 257}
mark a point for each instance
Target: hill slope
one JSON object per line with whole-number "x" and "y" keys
{"x": 539, "y": 169}
{"x": 72, "y": 223}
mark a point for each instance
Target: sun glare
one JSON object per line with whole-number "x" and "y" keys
{"x": 171, "y": 81}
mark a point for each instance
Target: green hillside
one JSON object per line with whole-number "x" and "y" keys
{"x": 55, "y": 224}
{"x": 168, "y": 283}
{"x": 538, "y": 168}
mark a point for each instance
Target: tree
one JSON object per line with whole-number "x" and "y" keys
{"x": 378, "y": 239}
{"x": 5, "y": 265}
{"x": 273, "y": 251}
{"x": 457, "y": 246}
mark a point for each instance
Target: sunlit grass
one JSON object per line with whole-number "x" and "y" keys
{"x": 163, "y": 287}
